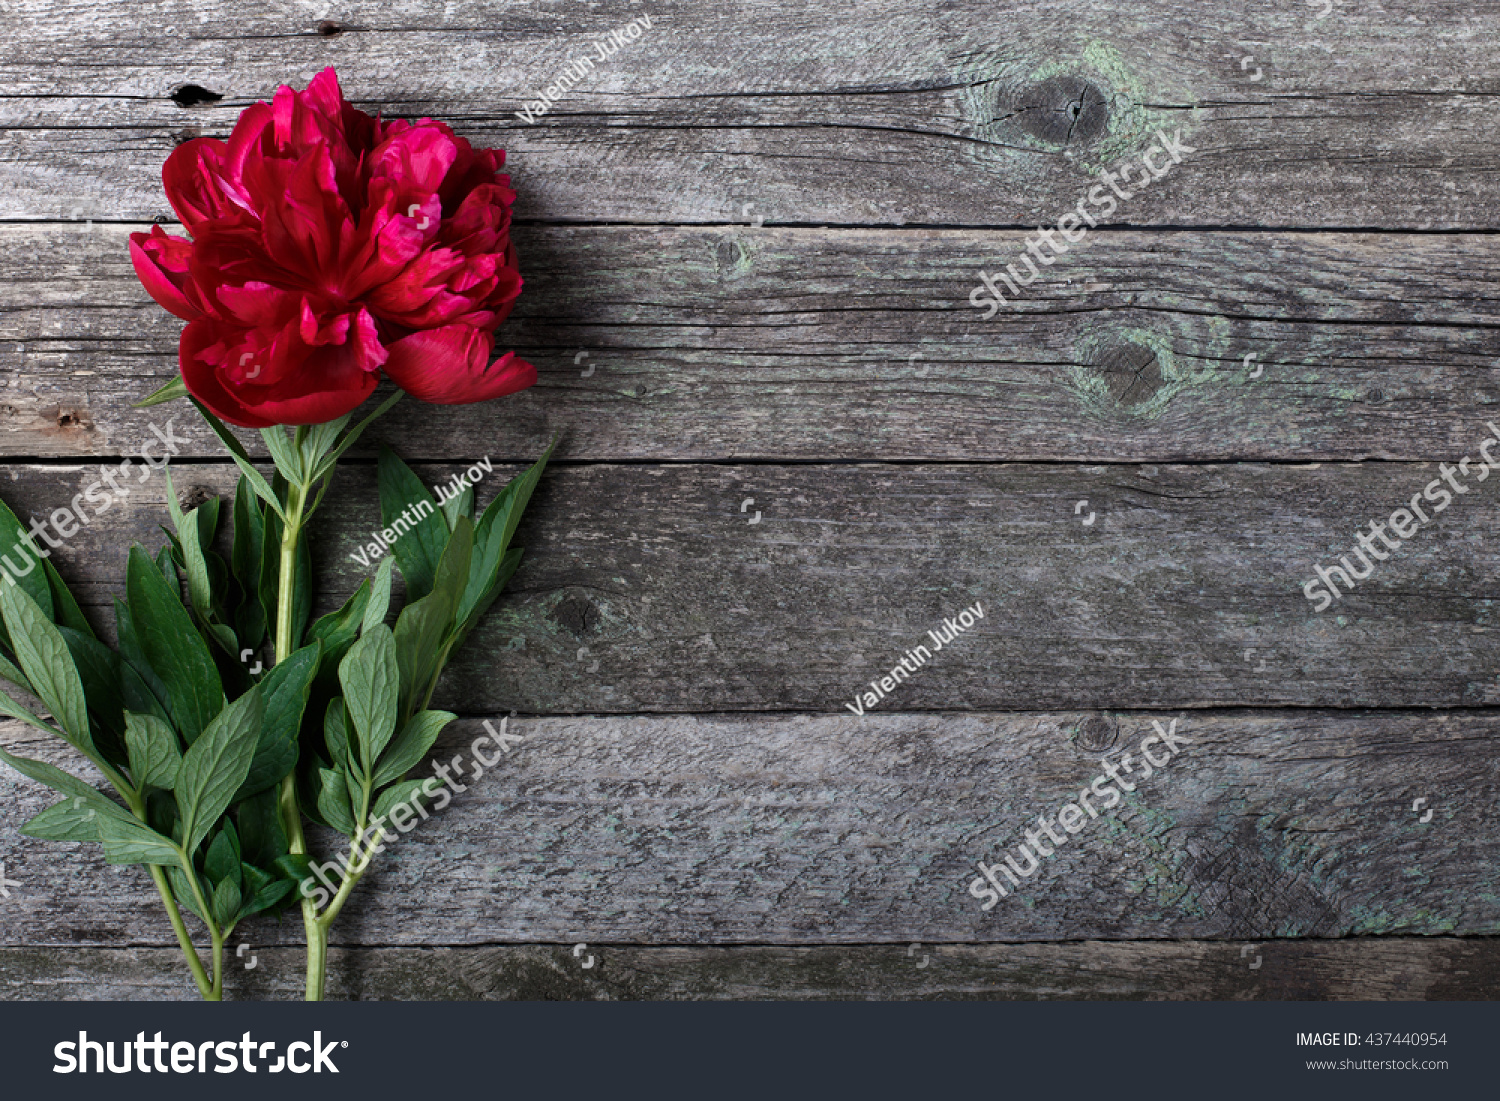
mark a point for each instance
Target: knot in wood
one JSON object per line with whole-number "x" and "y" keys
{"x": 191, "y": 497}
{"x": 1130, "y": 370}
{"x": 192, "y": 95}
{"x": 1097, "y": 734}
{"x": 575, "y": 614}
{"x": 1061, "y": 111}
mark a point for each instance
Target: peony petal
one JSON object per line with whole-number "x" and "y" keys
{"x": 245, "y": 146}
{"x": 161, "y": 264}
{"x": 316, "y": 408}
{"x": 201, "y": 377}
{"x": 192, "y": 178}
{"x": 450, "y": 366}
{"x": 369, "y": 353}
{"x": 417, "y": 159}
{"x": 325, "y": 385}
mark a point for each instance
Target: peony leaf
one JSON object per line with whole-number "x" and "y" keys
{"x": 338, "y": 630}
{"x": 354, "y": 434}
{"x": 403, "y": 794}
{"x": 336, "y": 731}
{"x": 15, "y": 676}
{"x": 44, "y": 658}
{"x": 284, "y": 453}
{"x": 192, "y": 555}
{"x": 134, "y": 657}
{"x": 65, "y": 610}
{"x": 492, "y": 537}
{"x": 411, "y": 745}
{"x": 264, "y": 890}
{"x": 128, "y": 841}
{"x": 173, "y": 648}
{"x": 371, "y": 681}
{"x": 222, "y": 860}
{"x": 285, "y": 689}
{"x": 15, "y": 543}
{"x": 424, "y": 630}
{"x": 380, "y": 596}
{"x": 245, "y": 562}
{"x": 262, "y": 833}
{"x": 241, "y": 459}
{"x": 70, "y": 820}
{"x": 216, "y": 765}
{"x": 155, "y": 756}
{"x": 420, "y": 546}
{"x": 226, "y": 903}
{"x": 170, "y": 392}
{"x": 333, "y": 801}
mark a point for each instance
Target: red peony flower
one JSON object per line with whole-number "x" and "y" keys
{"x": 329, "y": 246}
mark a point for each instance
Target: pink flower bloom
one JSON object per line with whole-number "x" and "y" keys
{"x": 328, "y": 246}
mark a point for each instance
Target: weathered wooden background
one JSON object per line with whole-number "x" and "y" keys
{"x": 762, "y": 223}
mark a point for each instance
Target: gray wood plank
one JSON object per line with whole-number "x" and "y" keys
{"x": 884, "y": 113}
{"x": 653, "y": 588}
{"x": 809, "y": 830}
{"x": 813, "y": 344}
{"x": 1364, "y": 969}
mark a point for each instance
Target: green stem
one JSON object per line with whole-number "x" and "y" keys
{"x": 317, "y": 928}
{"x": 137, "y": 806}
{"x": 190, "y": 953}
{"x": 218, "y": 940}
{"x": 357, "y": 867}
{"x": 317, "y": 954}
{"x": 291, "y": 812}
{"x": 216, "y": 989}
{"x": 287, "y": 582}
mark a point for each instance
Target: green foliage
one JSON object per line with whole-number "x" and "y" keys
{"x": 172, "y": 647}
{"x": 285, "y": 688}
{"x": 171, "y": 391}
{"x": 155, "y": 756}
{"x": 44, "y": 658}
{"x": 216, "y": 765}
{"x": 411, "y": 745}
{"x": 454, "y": 568}
{"x": 195, "y": 744}
{"x": 153, "y": 715}
{"x": 419, "y": 548}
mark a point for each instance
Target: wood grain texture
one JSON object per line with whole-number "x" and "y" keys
{"x": 955, "y": 113}
{"x": 645, "y": 588}
{"x": 795, "y": 345}
{"x": 807, "y": 830}
{"x": 1315, "y": 283}
{"x": 1366, "y": 969}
